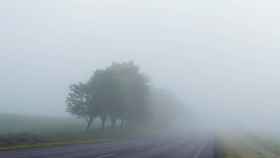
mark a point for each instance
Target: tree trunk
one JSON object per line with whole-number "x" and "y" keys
{"x": 103, "y": 119}
{"x": 122, "y": 123}
{"x": 113, "y": 123}
{"x": 89, "y": 122}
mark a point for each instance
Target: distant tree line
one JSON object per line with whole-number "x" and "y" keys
{"x": 119, "y": 93}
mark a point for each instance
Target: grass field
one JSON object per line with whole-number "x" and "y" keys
{"x": 248, "y": 146}
{"x": 12, "y": 123}
{"x": 21, "y": 131}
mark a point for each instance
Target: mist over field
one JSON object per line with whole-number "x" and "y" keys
{"x": 220, "y": 58}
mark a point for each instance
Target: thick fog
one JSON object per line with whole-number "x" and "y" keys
{"x": 220, "y": 57}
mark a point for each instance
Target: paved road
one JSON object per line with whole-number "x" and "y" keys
{"x": 160, "y": 147}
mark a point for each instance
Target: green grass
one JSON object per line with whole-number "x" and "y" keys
{"x": 21, "y": 132}
{"x": 269, "y": 143}
{"x": 248, "y": 146}
{"x": 12, "y": 123}
{"x": 51, "y": 144}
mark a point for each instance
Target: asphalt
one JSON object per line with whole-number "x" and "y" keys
{"x": 191, "y": 146}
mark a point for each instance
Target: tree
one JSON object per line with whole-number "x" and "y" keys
{"x": 79, "y": 103}
{"x": 166, "y": 108}
{"x": 134, "y": 90}
{"x": 105, "y": 92}
{"x": 118, "y": 92}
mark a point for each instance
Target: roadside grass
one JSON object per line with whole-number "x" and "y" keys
{"x": 52, "y": 144}
{"x": 44, "y": 145}
{"x": 90, "y": 137}
{"x": 269, "y": 143}
{"x": 62, "y": 139}
{"x": 248, "y": 146}
{"x": 25, "y": 132}
{"x": 15, "y": 123}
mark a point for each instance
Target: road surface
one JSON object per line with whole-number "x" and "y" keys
{"x": 148, "y": 147}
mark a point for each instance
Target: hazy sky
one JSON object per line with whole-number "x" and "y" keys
{"x": 219, "y": 56}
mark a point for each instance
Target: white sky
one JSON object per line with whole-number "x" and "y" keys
{"x": 222, "y": 57}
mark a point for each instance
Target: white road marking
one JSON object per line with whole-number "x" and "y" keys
{"x": 197, "y": 154}
{"x": 105, "y": 155}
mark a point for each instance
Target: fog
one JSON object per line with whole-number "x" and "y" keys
{"x": 221, "y": 58}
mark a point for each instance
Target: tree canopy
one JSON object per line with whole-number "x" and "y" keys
{"x": 119, "y": 93}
